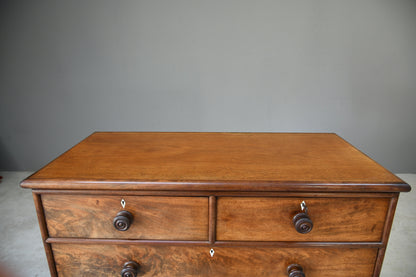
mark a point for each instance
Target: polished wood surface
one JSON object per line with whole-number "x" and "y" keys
{"x": 238, "y": 195}
{"x": 108, "y": 260}
{"x": 44, "y": 233}
{"x": 270, "y": 218}
{"x": 386, "y": 234}
{"x": 215, "y": 161}
{"x": 159, "y": 218}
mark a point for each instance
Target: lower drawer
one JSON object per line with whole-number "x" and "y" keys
{"x": 108, "y": 260}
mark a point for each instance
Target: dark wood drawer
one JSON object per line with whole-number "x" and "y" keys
{"x": 108, "y": 260}
{"x": 158, "y": 218}
{"x": 270, "y": 219}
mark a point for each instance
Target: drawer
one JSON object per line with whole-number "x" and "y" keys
{"x": 271, "y": 219}
{"x": 154, "y": 218}
{"x": 108, "y": 260}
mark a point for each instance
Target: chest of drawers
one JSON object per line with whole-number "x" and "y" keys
{"x": 214, "y": 204}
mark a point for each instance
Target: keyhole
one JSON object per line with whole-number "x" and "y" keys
{"x": 303, "y": 205}
{"x": 123, "y": 203}
{"x": 211, "y": 252}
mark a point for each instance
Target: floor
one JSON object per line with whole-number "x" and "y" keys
{"x": 21, "y": 249}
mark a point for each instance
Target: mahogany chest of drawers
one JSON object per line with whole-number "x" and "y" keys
{"x": 214, "y": 204}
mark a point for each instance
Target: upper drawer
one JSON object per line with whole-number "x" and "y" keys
{"x": 156, "y": 218}
{"x": 271, "y": 219}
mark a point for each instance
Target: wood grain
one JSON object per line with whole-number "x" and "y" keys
{"x": 386, "y": 234}
{"x": 163, "y": 218}
{"x": 234, "y": 192}
{"x": 190, "y": 243}
{"x": 212, "y": 218}
{"x": 217, "y": 193}
{"x": 108, "y": 260}
{"x": 270, "y": 219}
{"x": 44, "y": 233}
{"x": 215, "y": 161}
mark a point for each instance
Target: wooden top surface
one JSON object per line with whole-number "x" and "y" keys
{"x": 215, "y": 161}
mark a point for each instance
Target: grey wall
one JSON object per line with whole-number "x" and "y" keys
{"x": 68, "y": 68}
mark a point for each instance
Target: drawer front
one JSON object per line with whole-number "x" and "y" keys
{"x": 159, "y": 218}
{"x": 108, "y": 260}
{"x": 271, "y": 219}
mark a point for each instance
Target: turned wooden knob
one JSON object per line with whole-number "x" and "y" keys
{"x": 303, "y": 224}
{"x": 295, "y": 270}
{"x": 123, "y": 220}
{"x": 130, "y": 269}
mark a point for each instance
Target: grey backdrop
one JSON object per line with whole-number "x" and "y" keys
{"x": 69, "y": 68}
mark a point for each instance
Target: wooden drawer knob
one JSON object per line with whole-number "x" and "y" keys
{"x": 295, "y": 270}
{"x": 303, "y": 223}
{"x": 123, "y": 220}
{"x": 130, "y": 269}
